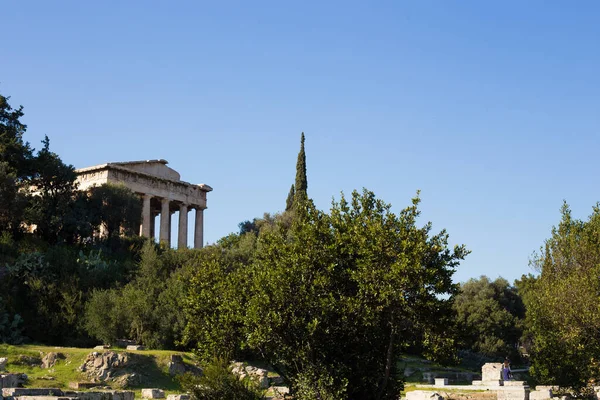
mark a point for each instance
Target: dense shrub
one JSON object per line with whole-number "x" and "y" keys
{"x": 218, "y": 382}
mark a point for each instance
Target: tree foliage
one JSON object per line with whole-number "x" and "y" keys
{"x": 217, "y": 293}
{"x": 53, "y": 193}
{"x": 289, "y": 202}
{"x": 489, "y": 317}
{"x": 146, "y": 309}
{"x": 14, "y": 151}
{"x": 219, "y": 382}
{"x": 10, "y": 326}
{"x": 12, "y": 201}
{"x": 15, "y": 167}
{"x": 562, "y": 304}
{"x": 116, "y": 208}
{"x": 49, "y": 262}
{"x": 329, "y": 299}
{"x": 301, "y": 184}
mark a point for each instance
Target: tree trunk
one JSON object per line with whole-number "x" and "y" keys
{"x": 388, "y": 361}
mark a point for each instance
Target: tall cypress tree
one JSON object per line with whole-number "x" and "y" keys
{"x": 301, "y": 182}
{"x": 289, "y": 202}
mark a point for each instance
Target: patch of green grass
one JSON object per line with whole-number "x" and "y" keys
{"x": 151, "y": 364}
{"x": 410, "y": 388}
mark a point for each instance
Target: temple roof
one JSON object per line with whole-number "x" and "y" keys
{"x": 156, "y": 168}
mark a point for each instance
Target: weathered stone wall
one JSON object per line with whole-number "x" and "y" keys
{"x": 491, "y": 372}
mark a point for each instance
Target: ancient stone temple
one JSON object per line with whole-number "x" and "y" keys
{"x": 162, "y": 191}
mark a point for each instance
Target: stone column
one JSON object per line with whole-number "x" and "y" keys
{"x": 199, "y": 228}
{"x": 153, "y": 225}
{"x": 165, "y": 222}
{"x": 183, "y": 229}
{"x": 147, "y": 217}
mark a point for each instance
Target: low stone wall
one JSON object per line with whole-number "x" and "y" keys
{"x": 54, "y": 393}
{"x": 452, "y": 376}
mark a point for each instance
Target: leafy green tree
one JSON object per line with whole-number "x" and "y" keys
{"x": 337, "y": 296}
{"x": 12, "y": 201}
{"x": 15, "y": 167}
{"x": 53, "y": 191}
{"x": 562, "y": 304}
{"x": 117, "y": 208}
{"x": 44, "y": 288}
{"x": 289, "y": 202}
{"x": 248, "y": 226}
{"x": 301, "y": 185}
{"x": 216, "y": 295}
{"x": 103, "y": 320}
{"x": 13, "y": 150}
{"x": 218, "y": 382}
{"x": 489, "y": 315}
{"x": 146, "y": 309}
{"x": 10, "y": 326}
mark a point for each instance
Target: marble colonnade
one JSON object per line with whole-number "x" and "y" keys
{"x": 166, "y": 210}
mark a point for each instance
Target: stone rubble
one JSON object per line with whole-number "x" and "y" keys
{"x": 178, "y": 397}
{"x": 101, "y": 366}
{"x": 54, "y": 393}
{"x": 259, "y": 374}
{"x": 49, "y": 360}
{"x": 153, "y": 394}
{"x": 176, "y": 365}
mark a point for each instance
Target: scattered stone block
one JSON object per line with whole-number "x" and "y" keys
{"x": 126, "y": 380}
{"x": 153, "y": 394}
{"x": 477, "y": 383}
{"x": 18, "y": 392}
{"x": 540, "y": 394}
{"x": 102, "y": 347}
{"x": 178, "y": 397}
{"x": 491, "y": 372}
{"x": 3, "y": 362}
{"x": 281, "y": 390}
{"x": 423, "y": 395}
{"x": 513, "y": 393}
{"x": 136, "y": 347}
{"x": 491, "y": 383}
{"x": 515, "y": 383}
{"x": 441, "y": 381}
{"x": 93, "y": 395}
{"x": 176, "y": 365}
{"x": 82, "y": 385}
{"x": 44, "y": 398}
{"x": 260, "y": 375}
{"x": 100, "y": 366}
{"x": 50, "y": 359}
{"x": 122, "y": 395}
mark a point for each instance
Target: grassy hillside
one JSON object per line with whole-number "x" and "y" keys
{"x": 152, "y": 364}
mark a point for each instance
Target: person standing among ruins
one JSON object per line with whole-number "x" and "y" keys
{"x": 506, "y": 372}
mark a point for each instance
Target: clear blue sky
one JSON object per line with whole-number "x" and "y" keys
{"x": 491, "y": 109}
